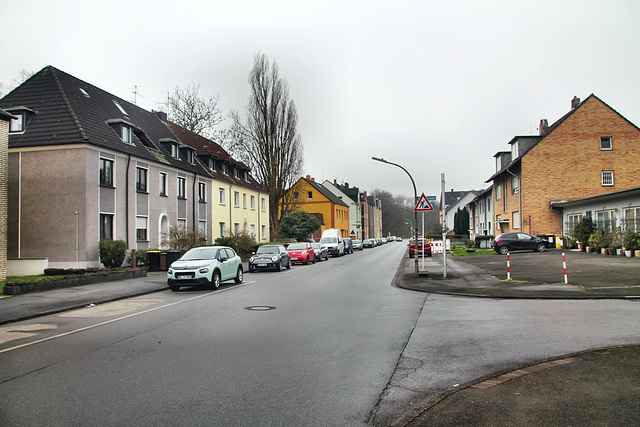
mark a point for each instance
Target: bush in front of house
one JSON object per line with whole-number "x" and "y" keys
{"x": 112, "y": 252}
{"x": 141, "y": 258}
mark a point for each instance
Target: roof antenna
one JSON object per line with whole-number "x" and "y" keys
{"x": 135, "y": 95}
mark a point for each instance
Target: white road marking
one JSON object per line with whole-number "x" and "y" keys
{"x": 16, "y": 332}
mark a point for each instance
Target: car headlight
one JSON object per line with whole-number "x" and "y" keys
{"x": 274, "y": 258}
{"x": 251, "y": 259}
{"x": 170, "y": 271}
{"x": 204, "y": 270}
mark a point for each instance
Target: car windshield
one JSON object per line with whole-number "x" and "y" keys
{"x": 329, "y": 240}
{"x": 316, "y": 246}
{"x": 267, "y": 250}
{"x": 199, "y": 254}
{"x": 297, "y": 246}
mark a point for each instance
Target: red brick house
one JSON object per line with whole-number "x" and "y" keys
{"x": 590, "y": 151}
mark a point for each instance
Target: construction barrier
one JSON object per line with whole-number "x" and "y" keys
{"x": 436, "y": 246}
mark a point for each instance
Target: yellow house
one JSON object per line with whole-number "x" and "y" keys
{"x": 238, "y": 202}
{"x": 317, "y": 200}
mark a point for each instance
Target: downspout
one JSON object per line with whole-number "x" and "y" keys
{"x": 230, "y": 207}
{"x": 259, "y": 230}
{"x": 193, "y": 190}
{"x": 126, "y": 202}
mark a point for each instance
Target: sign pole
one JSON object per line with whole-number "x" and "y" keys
{"x": 444, "y": 231}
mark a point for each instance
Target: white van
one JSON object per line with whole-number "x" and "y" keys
{"x": 332, "y": 239}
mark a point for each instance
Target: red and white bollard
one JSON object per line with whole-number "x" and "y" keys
{"x": 508, "y": 267}
{"x": 564, "y": 264}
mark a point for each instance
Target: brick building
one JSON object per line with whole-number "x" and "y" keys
{"x": 590, "y": 151}
{"x": 5, "y": 120}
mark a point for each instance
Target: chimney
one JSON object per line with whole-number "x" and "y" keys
{"x": 575, "y": 102}
{"x": 161, "y": 115}
{"x": 308, "y": 176}
{"x": 544, "y": 126}
{"x": 313, "y": 179}
{"x": 346, "y": 185}
{"x": 335, "y": 182}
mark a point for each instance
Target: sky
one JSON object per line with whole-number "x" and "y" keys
{"x": 438, "y": 87}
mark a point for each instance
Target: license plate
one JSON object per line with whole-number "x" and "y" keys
{"x": 262, "y": 265}
{"x": 182, "y": 277}
{"x": 294, "y": 259}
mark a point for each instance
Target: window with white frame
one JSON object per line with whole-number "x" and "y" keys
{"x": 222, "y": 228}
{"x": 253, "y": 230}
{"x": 514, "y": 151}
{"x": 607, "y": 178}
{"x": 515, "y": 185}
{"x": 244, "y": 200}
{"x": 212, "y": 163}
{"x": 202, "y": 192}
{"x": 498, "y": 192}
{"x": 106, "y": 172}
{"x": 572, "y": 221}
{"x": 263, "y": 204}
{"x": 236, "y": 228}
{"x": 263, "y": 232}
{"x": 182, "y": 188}
{"x": 175, "y": 151}
{"x": 106, "y": 226}
{"x": 498, "y": 163}
{"x": 236, "y": 199}
{"x": 202, "y": 229}
{"x": 221, "y": 196}
{"x": 253, "y": 203}
{"x": 141, "y": 180}
{"x": 182, "y": 223}
{"x": 141, "y": 228}
{"x": 606, "y": 143}
{"x": 516, "y": 219}
{"x": 126, "y": 134}
{"x": 163, "y": 184}
{"x": 606, "y": 220}
{"x": 632, "y": 219}
{"x": 17, "y": 125}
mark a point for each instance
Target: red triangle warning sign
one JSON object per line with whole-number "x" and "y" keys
{"x": 423, "y": 204}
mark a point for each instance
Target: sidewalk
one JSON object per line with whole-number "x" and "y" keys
{"x": 28, "y": 306}
{"x": 597, "y": 387}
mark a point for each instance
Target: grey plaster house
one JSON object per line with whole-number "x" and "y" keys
{"x": 85, "y": 165}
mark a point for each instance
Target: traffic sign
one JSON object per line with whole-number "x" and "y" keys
{"x": 423, "y": 204}
{"x": 432, "y": 198}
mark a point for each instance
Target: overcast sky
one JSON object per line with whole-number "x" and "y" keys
{"x": 436, "y": 86}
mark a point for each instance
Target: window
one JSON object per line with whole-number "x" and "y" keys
{"x": 141, "y": 228}
{"x": 253, "y": 230}
{"x": 182, "y": 188}
{"x": 202, "y": 191}
{"x": 606, "y": 143}
{"x": 175, "y": 151}
{"x": 223, "y": 229}
{"x": 572, "y": 221}
{"x": 516, "y": 220}
{"x": 632, "y": 219}
{"x": 606, "y": 220}
{"x": 163, "y": 184}
{"x": 514, "y": 150}
{"x": 106, "y": 172}
{"x": 515, "y": 187}
{"x": 106, "y": 226}
{"x": 191, "y": 158}
{"x": 244, "y": 200}
{"x": 607, "y": 178}
{"x": 17, "y": 124}
{"x": 264, "y": 231}
{"x": 236, "y": 199}
{"x": 499, "y": 192}
{"x": 182, "y": 223}
{"x": 263, "y": 205}
{"x": 236, "y": 172}
{"x": 498, "y": 163}
{"x": 236, "y": 228}
{"x": 141, "y": 180}
{"x": 310, "y": 195}
{"x": 122, "y": 110}
{"x": 212, "y": 163}
{"x": 202, "y": 229}
{"x": 126, "y": 134}
{"x": 253, "y": 203}
{"x": 221, "y": 195}
{"x": 295, "y": 195}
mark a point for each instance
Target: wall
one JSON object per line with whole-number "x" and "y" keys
{"x": 4, "y": 165}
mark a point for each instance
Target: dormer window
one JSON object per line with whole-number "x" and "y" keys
{"x": 190, "y": 156}
{"x": 17, "y": 125}
{"x": 236, "y": 172}
{"x": 224, "y": 168}
{"x": 175, "y": 151}
{"x": 84, "y": 93}
{"x": 212, "y": 163}
{"x": 514, "y": 150}
{"x": 498, "y": 163}
{"x": 246, "y": 176}
{"x": 126, "y": 134}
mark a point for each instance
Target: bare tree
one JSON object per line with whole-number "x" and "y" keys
{"x": 270, "y": 139}
{"x": 196, "y": 114}
{"x": 22, "y": 77}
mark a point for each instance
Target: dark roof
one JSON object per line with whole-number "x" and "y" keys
{"x": 205, "y": 147}
{"x": 65, "y": 111}
{"x": 526, "y": 143}
{"x": 6, "y": 116}
{"x": 325, "y": 192}
{"x": 607, "y": 196}
{"x": 453, "y": 197}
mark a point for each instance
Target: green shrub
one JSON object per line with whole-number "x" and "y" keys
{"x": 141, "y": 258}
{"x": 242, "y": 243}
{"x": 112, "y": 252}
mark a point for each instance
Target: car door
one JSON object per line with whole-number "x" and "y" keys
{"x": 527, "y": 242}
{"x": 227, "y": 264}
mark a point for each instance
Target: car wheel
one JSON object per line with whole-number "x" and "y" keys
{"x": 239, "y": 276}
{"x": 289, "y": 265}
{"x": 279, "y": 266}
{"x": 314, "y": 259}
{"x": 503, "y": 250}
{"x": 215, "y": 280}
{"x": 174, "y": 288}
{"x": 251, "y": 269}
{"x": 541, "y": 247}
{"x": 410, "y": 256}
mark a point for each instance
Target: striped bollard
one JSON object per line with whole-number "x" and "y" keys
{"x": 508, "y": 266}
{"x": 564, "y": 265}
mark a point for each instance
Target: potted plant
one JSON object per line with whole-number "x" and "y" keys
{"x": 628, "y": 242}
{"x": 582, "y": 232}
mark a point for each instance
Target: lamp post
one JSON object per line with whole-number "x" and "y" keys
{"x": 415, "y": 200}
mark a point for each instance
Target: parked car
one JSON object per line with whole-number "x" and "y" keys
{"x": 301, "y": 253}
{"x": 508, "y": 242}
{"x": 348, "y": 245}
{"x": 423, "y": 246}
{"x": 332, "y": 239}
{"x": 321, "y": 251}
{"x": 398, "y": 239}
{"x": 269, "y": 257}
{"x": 357, "y": 245}
{"x": 368, "y": 243}
{"x": 205, "y": 265}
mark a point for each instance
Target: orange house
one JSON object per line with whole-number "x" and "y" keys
{"x": 590, "y": 151}
{"x": 315, "y": 199}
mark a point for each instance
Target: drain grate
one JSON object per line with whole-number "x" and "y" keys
{"x": 260, "y": 308}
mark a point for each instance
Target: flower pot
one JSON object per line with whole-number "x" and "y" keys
{"x": 619, "y": 252}
{"x": 636, "y": 254}
{"x": 588, "y": 249}
{"x": 603, "y": 251}
{"x": 579, "y": 246}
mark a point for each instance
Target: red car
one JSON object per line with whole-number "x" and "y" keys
{"x": 301, "y": 253}
{"x": 423, "y": 246}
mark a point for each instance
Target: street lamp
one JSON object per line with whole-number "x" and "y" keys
{"x": 415, "y": 200}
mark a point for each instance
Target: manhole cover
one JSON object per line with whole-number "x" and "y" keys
{"x": 260, "y": 308}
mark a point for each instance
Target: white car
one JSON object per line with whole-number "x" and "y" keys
{"x": 206, "y": 265}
